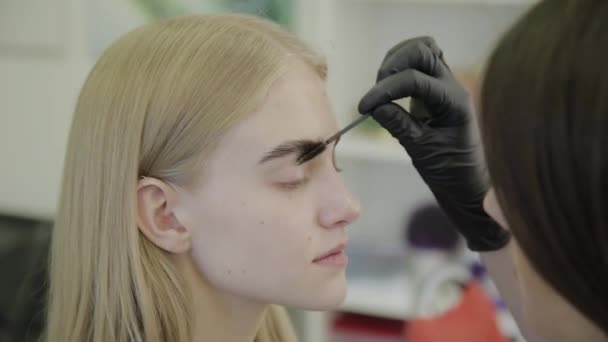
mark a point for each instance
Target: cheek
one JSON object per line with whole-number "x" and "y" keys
{"x": 248, "y": 232}
{"x": 252, "y": 243}
{"x": 260, "y": 245}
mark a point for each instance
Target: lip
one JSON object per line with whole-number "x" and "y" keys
{"x": 334, "y": 257}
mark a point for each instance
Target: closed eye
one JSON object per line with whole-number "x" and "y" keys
{"x": 293, "y": 185}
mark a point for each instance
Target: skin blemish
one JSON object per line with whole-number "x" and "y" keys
{"x": 262, "y": 222}
{"x": 229, "y": 272}
{"x": 309, "y": 238}
{"x": 243, "y": 272}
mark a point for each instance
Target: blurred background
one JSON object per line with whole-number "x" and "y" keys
{"x": 410, "y": 278}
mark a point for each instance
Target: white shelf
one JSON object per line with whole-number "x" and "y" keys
{"x": 453, "y": 2}
{"x": 373, "y": 150}
{"x": 397, "y": 297}
{"x": 386, "y": 298}
{"x": 426, "y": 285}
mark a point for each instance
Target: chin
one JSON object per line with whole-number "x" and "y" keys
{"x": 333, "y": 303}
{"x": 328, "y": 296}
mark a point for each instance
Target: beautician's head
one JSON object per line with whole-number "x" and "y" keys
{"x": 545, "y": 130}
{"x": 183, "y": 147}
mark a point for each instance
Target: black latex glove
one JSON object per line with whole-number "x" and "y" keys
{"x": 438, "y": 133}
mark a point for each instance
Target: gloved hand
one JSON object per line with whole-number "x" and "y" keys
{"x": 438, "y": 133}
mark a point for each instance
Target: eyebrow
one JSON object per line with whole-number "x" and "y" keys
{"x": 285, "y": 149}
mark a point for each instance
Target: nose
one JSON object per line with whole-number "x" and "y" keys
{"x": 339, "y": 207}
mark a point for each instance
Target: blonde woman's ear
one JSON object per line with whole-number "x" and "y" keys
{"x": 156, "y": 219}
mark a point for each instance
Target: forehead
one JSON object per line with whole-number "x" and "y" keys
{"x": 296, "y": 107}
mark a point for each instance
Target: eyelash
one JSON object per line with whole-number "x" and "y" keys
{"x": 294, "y": 185}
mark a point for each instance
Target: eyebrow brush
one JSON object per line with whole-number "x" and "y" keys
{"x": 321, "y": 146}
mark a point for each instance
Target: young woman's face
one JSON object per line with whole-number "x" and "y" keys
{"x": 259, "y": 221}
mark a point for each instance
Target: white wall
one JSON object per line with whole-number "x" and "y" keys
{"x": 42, "y": 66}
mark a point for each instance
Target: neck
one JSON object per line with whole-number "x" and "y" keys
{"x": 219, "y": 316}
{"x": 575, "y": 327}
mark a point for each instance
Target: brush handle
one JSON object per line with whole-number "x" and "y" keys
{"x": 347, "y": 128}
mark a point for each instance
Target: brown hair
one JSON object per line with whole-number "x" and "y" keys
{"x": 545, "y": 131}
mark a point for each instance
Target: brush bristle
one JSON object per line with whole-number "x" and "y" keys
{"x": 310, "y": 154}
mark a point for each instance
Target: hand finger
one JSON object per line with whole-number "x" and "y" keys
{"x": 420, "y": 54}
{"x": 397, "y": 121}
{"x": 408, "y": 83}
{"x": 438, "y": 52}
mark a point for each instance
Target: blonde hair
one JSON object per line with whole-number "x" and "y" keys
{"x": 155, "y": 104}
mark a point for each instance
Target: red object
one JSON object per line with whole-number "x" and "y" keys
{"x": 360, "y": 328}
{"x": 472, "y": 320}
